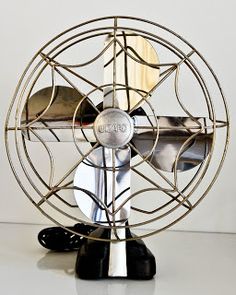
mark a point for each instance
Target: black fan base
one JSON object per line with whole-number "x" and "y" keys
{"x": 93, "y": 256}
{"x": 93, "y": 259}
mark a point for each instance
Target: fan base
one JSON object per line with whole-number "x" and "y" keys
{"x": 93, "y": 259}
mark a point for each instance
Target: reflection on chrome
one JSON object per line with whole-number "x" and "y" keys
{"x": 136, "y": 69}
{"x": 181, "y": 139}
{"x": 50, "y": 111}
{"x": 95, "y": 194}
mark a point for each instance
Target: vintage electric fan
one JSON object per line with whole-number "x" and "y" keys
{"x": 118, "y": 125}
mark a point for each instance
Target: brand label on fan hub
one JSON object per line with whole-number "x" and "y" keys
{"x": 113, "y": 128}
{"x": 109, "y": 128}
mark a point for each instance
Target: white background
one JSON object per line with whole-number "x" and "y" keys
{"x": 210, "y": 25}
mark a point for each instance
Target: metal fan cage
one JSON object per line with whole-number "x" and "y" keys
{"x": 48, "y": 56}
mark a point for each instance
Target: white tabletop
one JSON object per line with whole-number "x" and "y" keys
{"x": 187, "y": 263}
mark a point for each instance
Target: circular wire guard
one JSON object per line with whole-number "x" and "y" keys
{"x": 183, "y": 193}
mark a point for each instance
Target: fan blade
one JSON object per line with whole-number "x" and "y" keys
{"x": 127, "y": 57}
{"x": 50, "y": 111}
{"x": 173, "y": 135}
{"x": 94, "y": 186}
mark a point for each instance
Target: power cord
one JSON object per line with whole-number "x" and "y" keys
{"x": 62, "y": 240}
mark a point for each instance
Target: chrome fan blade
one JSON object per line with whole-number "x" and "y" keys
{"x": 128, "y": 56}
{"x": 94, "y": 186}
{"x": 178, "y": 137}
{"x": 50, "y": 111}
{"x": 129, "y": 81}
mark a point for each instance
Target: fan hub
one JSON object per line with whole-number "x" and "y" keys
{"x": 113, "y": 128}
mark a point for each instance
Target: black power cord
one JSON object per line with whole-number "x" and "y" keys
{"x": 62, "y": 240}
